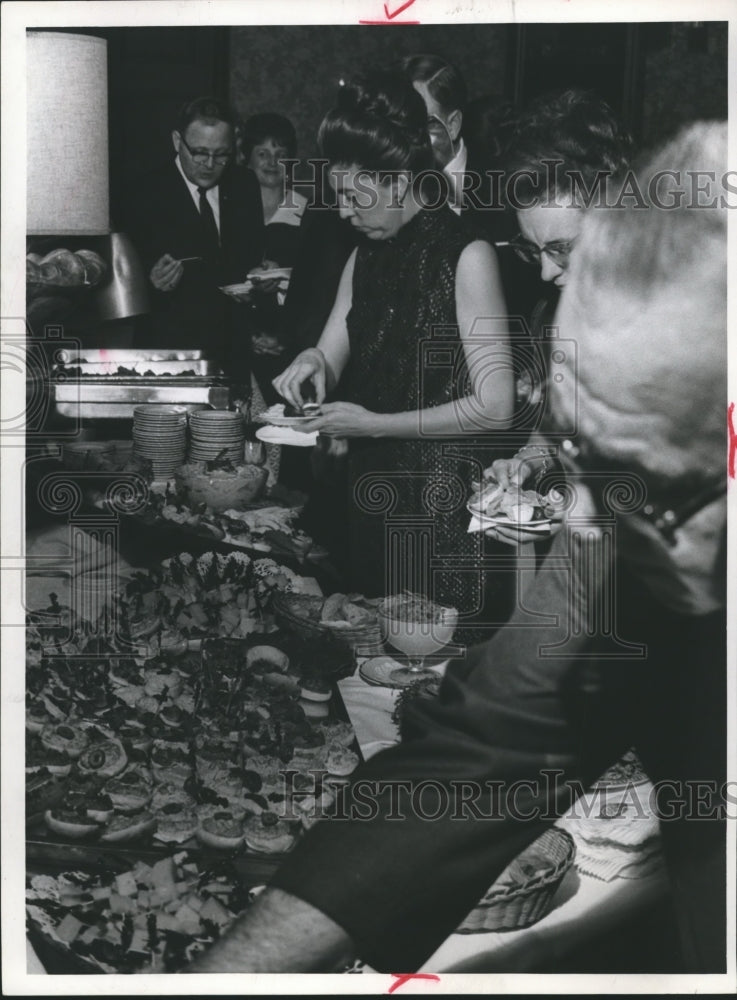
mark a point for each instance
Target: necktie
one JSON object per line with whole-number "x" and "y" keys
{"x": 208, "y": 220}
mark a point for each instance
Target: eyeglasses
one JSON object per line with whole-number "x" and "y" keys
{"x": 558, "y": 251}
{"x": 204, "y": 155}
{"x": 664, "y": 515}
{"x": 436, "y": 126}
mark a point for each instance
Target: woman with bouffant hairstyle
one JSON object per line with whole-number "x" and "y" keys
{"x": 417, "y": 338}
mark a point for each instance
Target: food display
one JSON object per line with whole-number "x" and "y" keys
{"x": 152, "y": 917}
{"x": 63, "y": 269}
{"x": 203, "y": 748}
{"x": 187, "y": 598}
{"x": 220, "y": 486}
{"x": 350, "y": 618}
{"x": 267, "y": 524}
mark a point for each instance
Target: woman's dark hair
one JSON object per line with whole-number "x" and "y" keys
{"x": 379, "y": 123}
{"x": 574, "y": 129}
{"x": 268, "y": 125}
{"x": 485, "y": 127}
{"x": 205, "y": 109}
{"x": 443, "y": 80}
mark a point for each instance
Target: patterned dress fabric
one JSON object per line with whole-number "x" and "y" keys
{"x": 408, "y": 519}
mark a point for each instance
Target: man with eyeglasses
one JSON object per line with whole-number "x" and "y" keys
{"x": 198, "y": 225}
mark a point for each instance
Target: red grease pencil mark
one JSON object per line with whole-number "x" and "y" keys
{"x": 392, "y": 15}
{"x": 732, "y": 441}
{"x": 399, "y": 10}
{"x": 404, "y": 977}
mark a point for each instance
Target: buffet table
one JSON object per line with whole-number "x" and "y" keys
{"x": 583, "y": 906}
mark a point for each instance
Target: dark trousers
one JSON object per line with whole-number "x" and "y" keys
{"x": 551, "y": 692}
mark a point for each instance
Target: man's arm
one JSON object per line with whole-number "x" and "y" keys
{"x": 279, "y": 933}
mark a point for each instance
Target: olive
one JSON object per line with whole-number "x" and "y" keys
{"x": 95, "y": 758}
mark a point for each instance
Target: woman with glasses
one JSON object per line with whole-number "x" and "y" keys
{"x": 417, "y": 338}
{"x": 565, "y": 152}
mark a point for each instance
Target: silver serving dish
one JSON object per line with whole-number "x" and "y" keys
{"x": 110, "y": 370}
{"x": 92, "y": 399}
{"x": 125, "y": 356}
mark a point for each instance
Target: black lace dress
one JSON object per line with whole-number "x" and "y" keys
{"x": 407, "y": 513}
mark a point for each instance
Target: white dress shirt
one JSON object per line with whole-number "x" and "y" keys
{"x": 212, "y": 194}
{"x": 454, "y": 171}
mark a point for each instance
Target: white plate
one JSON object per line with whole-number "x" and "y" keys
{"x": 283, "y": 273}
{"x": 378, "y": 672}
{"x": 235, "y": 290}
{"x": 502, "y": 521}
{"x": 275, "y": 416}
{"x": 286, "y": 435}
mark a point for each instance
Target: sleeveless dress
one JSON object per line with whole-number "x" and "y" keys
{"x": 407, "y": 520}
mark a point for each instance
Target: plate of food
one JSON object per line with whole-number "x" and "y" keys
{"x": 270, "y": 274}
{"x": 286, "y": 415}
{"x": 512, "y": 507}
{"x": 270, "y": 434}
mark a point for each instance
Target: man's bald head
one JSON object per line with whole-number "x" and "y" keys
{"x": 646, "y": 303}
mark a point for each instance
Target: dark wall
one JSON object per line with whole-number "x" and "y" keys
{"x": 684, "y": 76}
{"x": 656, "y": 76}
{"x": 295, "y": 70}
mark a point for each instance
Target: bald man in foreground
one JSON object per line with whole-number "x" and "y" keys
{"x": 646, "y": 304}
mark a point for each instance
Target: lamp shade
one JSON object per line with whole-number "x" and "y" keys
{"x": 67, "y": 135}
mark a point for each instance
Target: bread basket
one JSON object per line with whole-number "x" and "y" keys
{"x": 512, "y": 904}
{"x": 361, "y": 638}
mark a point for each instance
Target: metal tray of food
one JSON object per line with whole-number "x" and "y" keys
{"x": 103, "y": 399}
{"x": 124, "y": 356}
{"x": 119, "y": 370}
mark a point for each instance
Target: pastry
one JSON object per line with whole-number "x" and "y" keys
{"x": 268, "y": 834}
{"x": 168, "y": 794}
{"x": 129, "y": 792}
{"x": 38, "y": 717}
{"x": 70, "y": 739}
{"x": 341, "y": 762}
{"x": 170, "y": 761}
{"x": 175, "y": 823}
{"x": 338, "y": 732}
{"x": 38, "y": 757}
{"x": 70, "y": 822}
{"x": 106, "y": 759}
{"x": 315, "y": 709}
{"x": 126, "y": 827}
{"x": 135, "y": 738}
{"x": 220, "y": 829}
{"x": 266, "y": 659}
{"x": 315, "y": 689}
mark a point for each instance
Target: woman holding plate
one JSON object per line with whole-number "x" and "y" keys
{"x": 578, "y": 133}
{"x": 418, "y": 339}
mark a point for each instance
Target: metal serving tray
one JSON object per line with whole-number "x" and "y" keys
{"x": 105, "y": 398}
{"x": 125, "y": 356}
{"x": 143, "y": 369}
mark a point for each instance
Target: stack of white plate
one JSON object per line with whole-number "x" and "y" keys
{"x": 216, "y": 432}
{"x": 160, "y": 437}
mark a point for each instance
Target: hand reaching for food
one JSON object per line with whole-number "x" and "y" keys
{"x": 518, "y": 515}
{"x": 310, "y": 367}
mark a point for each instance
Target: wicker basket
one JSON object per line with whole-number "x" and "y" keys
{"x": 510, "y": 907}
{"x": 365, "y": 639}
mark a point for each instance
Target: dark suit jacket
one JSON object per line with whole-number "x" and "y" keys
{"x": 161, "y": 217}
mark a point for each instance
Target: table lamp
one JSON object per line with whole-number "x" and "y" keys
{"x": 68, "y": 169}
